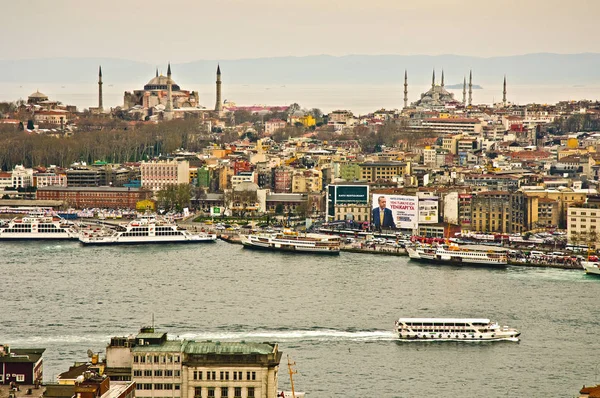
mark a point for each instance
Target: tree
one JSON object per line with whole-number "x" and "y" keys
{"x": 175, "y": 196}
{"x": 293, "y": 108}
{"x": 592, "y": 239}
{"x": 279, "y": 209}
{"x": 302, "y": 210}
{"x": 575, "y": 238}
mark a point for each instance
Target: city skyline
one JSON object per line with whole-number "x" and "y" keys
{"x": 268, "y": 29}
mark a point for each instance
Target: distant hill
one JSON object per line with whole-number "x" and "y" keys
{"x": 460, "y": 86}
{"x": 543, "y": 68}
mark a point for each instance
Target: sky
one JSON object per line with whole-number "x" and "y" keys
{"x": 188, "y": 30}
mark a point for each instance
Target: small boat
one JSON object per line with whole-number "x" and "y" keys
{"x": 591, "y": 267}
{"x": 453, "y": 329}
{"x": 292, "y": 242}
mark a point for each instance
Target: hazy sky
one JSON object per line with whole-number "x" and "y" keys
{"x": 187, "y": 30}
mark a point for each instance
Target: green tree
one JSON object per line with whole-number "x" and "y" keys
{"x": 279, "y": 209}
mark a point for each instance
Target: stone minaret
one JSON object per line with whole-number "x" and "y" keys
{"x": 433, "y": 79}
{"x": 219, "y": 103}
{"x": 169, "y": 106}
{"x": 405, "y": 89}
{"x": 504, "y": 93}
{"x": 470, "y": 87}
{"x": 464, "y": 90}
{"x": 100, "y": 108}
{"x": 442, "y": 78}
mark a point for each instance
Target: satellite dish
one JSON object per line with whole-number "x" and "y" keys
{"x": 90, "y": 353}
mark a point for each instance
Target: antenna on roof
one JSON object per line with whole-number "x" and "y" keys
{"x": 153, "y": 320}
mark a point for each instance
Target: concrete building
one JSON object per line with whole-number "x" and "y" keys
{"x": 451, "y": 125}
{"x": 375, "y": 171}
{"x": 307, "y": 181}
{"x": 244, "y": 176}
{"x": 22, "y": 177}
{"x": 282, "y": 180}
{"x": 190, "y": 369}
{"x": 583, "y": 226}
{"x": 498, "y": 212}
{"x": 160, "y": 174}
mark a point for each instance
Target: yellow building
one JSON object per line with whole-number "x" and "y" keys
{"x": 564, "y": 198}
{"x": 307, "y": 181}
{"x": 377, "y": 171}
{"x": 308, "y": 121}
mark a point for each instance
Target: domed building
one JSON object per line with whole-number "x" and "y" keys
{"x": 36, "y": 98}
{"x": 437, "y": 97}
{"x": 156, "y": 92}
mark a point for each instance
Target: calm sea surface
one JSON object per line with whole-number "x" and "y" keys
{"x": 359, "y": 98}
{"x": 333, "y": 315}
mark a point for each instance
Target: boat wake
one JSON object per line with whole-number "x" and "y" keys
{"x": 296, "y": 335}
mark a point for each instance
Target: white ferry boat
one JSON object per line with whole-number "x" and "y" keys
{"x": 453, "y": 329}
{"x": 147, "y": 229}
{"x": 591, "y": 268}
{"x": 452, "y": 254}
{"x": 292, "y": 242}
{"x": 37, "y": 226}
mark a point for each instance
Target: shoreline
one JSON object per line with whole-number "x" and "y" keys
{"x": 232, "y": 239}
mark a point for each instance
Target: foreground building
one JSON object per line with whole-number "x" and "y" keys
{"x": 21, "y": 365}
{"x": 190, "y": 369}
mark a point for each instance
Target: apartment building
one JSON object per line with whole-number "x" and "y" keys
{"x": 158, "y": 175}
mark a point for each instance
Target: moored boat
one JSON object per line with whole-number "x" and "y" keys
{"x": 591, "y": 267}
{"x": 453, "y": 329}
{"x": 38, "y": 226}
{"x": 459, "y": 255}
{"x": 147, "y": 229}
{"x": 293, "y": 242}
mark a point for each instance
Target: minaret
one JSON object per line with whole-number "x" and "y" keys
{"x": 433, "y": 79}
{"x": 470, "y": 87}
{"x": 405, "y": 89}
{"x": 169, "y": 106}
{"x": 504, "y": 93}
{"x": 156, "y": 72}
{"x": 464, "y": 90}
{"x": 442, "y": 79}
{"x": 218, "y": 104}
{"x": 100, "y": 108}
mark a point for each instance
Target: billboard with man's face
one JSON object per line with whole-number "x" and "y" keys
{"x": 395, "y": 211}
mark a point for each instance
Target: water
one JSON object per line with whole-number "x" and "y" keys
{"x": 333, "y": 315}
{"x": 359, "y": 98}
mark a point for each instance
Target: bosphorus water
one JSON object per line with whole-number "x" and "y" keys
{"x": 359, "y": 98}
{"x": 334, "y": 316}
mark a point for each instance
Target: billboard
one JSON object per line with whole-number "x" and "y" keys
{"x": 395, "y": 211}
{"x": 428, "y": 210}
{"x": 345, "y": 194}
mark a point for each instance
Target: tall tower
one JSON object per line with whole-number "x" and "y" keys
{"x": 504, "y": 93}
{"x": 405, "y": 89}
{"x": 464, "y": 90}
{"x": 218, "y": 104}
{"x": 442, "y": 78}
{"x": 470, "y": 87}
{"x": 169, "y": 106}
{"x": 100, "y": 108}
{"x": 433, "y": 79}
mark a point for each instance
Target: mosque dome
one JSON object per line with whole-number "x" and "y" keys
{"x": 39, "y": 96}
{"x": 160, "y": 83}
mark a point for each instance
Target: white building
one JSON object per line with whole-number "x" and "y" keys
{"x": 583, "y": 226}
{"x": 22, "y": 177}
{"x": 244, "y": 176}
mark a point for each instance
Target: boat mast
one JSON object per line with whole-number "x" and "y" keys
{"x": 292, "y": 372}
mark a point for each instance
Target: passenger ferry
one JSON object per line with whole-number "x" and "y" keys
{"x": 292, "y": 242}
{"x": 453, "y": 329}
{"x": 38, "y": 226}
{"x": 147, "y": 229}
{"x": 453, "y": 254}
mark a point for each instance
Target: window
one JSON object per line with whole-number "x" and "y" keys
{"x": 147, "y": 386}
{"x": 224, "y": 392}
{"x": 136, "y": 359}
{"x": 137, "y": 373}
{"x": 211, "y": 392}
{"x": 168, "y": 373}
{"x": 237, "y": 392}
{"x": 197, "y": 392}
{"x": 138, "y": 386}
{"x": 158, "y": 373}
{"x": 250, "y": 392}
{"x": 177, "y": 386}
{"x": 143, "y": 359}
{"x": 147, "y": 373}
{"x": 224, "y": 376}
{"x": 158, "y": 386}
{"x": 177, "y": 373}
{"x": 168, "y": 386}
{"x": 176, "y": 358}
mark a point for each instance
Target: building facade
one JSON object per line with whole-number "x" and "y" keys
{"x": 21, "y": 365}
{"x": 159, "y": 175}
{"x": 96, "y": 197}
